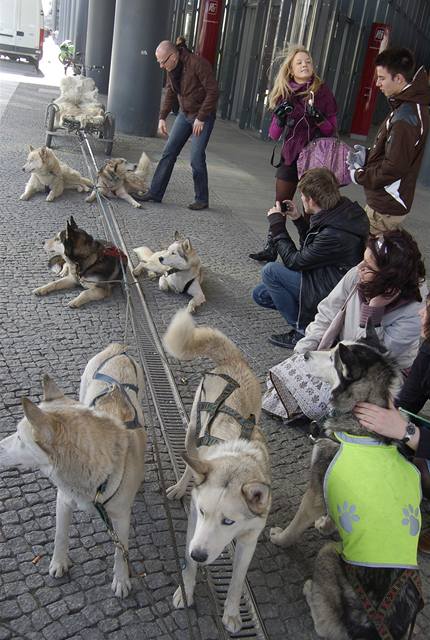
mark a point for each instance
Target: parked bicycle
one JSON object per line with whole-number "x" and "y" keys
{"x": 70, "y": 59}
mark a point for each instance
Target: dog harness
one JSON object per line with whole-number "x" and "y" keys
{"x": 113, "y": 251}
{"x": 219, "y": 406}
{"x": 188, "y": 284}
{"x": 373, "y": 496}
{"x": 123, "y": 386}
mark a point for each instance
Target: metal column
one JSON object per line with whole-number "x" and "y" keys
{"x": 101, "y": 14}
{"x": 81, "y": 26}
{"x": 136, "y": 78}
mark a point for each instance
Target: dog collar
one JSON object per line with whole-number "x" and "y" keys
{"x": 113, "y": 251}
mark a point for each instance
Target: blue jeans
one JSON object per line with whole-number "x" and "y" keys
{"x": 280, "y": 290}
{"x": 182, "y": 129}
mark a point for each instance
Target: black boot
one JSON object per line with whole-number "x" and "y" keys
{"x": 269, "y": 252}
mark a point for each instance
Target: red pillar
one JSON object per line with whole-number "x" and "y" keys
{"x": 366, "y": 98}
{"x": 210, "y": 21}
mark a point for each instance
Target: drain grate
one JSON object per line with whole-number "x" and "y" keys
{"x": 173, "y": 421}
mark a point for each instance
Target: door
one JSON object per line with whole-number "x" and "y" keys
{"x": 29, "y": 23}
{"x": 8, "y": 19}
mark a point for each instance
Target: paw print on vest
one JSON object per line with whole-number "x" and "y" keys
{"x": 347, "y": 516}
{"x": 412, "y": 519}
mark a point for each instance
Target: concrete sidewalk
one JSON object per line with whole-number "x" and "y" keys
{"x": 41, "y": 335}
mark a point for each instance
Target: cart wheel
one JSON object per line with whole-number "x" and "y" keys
{"x": 51, "y": 110}
{"x": 109, "y": 132}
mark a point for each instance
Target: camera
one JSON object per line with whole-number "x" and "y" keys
{"x": 281, "y": 112}
{"x": 286, "y": 206}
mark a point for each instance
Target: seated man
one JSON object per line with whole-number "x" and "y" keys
{"x": 332, "y": 236}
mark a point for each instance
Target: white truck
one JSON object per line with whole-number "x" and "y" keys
{"x": 21, "y": 30}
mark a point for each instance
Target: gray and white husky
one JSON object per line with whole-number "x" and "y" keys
{"x": 232, "y": 480}
{"x": 358, "y": 372}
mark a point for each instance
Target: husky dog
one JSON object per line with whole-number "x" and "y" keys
{"x": 79, "y": 100}
{"x": 345, "y": 592}
{"x": 226, "y": 456}
{"x": 150, "y": 261}
{"x": 48, "y": 172}
{"x": 94, "y": 264}
{"x": 116, "y": 179}
{"x": 88, "y": 453}
{"x": 186, "y": 274}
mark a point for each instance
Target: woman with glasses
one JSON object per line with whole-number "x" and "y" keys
{"x": 387, "y": 287}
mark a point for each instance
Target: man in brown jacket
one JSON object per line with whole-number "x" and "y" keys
{"x": 191, "y": 79}
{"x": 388, "y": 170}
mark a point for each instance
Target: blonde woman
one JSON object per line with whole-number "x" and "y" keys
{"x": 303, "y": 108}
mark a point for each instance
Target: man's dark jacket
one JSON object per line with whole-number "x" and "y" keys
{"x": 332, "y": 241}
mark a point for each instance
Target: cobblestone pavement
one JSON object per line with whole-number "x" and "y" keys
{"x": 44, "y": 335}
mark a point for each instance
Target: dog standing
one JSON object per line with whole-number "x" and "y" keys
{"x": 94, "y": 264}
{"x": 226, "y": 456}
{"x": 375, "y": 567}
{"x": 88, "y": 453}
{"x": 186, "y": 274}
{"x": 115, "y": 179}
{"x": 48, "y": 172}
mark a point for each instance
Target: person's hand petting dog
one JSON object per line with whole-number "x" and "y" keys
{"x": 386, "y": 422}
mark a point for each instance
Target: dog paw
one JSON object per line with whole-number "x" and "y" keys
{"x": 277, "y": 537}
{"x": 121, "y": 587}
{"x": 50, "y": 198}
{"x": 191, "y": 307}
{"x": 232, "y": 621}
{"x": 39, "y": 291}
{"x": 24, "y": 196}
{"x": 74, "y": 304}
{"x": 174, "y": 492}
{"x": 137, "y": 205}
{"x": 58, "y": 568}
{"x": 325, "y": 525}
{"x": 178, "y": 600}
{"x": 163, "y": 285}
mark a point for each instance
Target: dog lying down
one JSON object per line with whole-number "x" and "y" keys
{"x": 92, "y": 450}
{"x": 93, "y": 264}
{"x": 48, "y": 172}
{"x": 79, "y": 99}
{"x": 115, "y": 179}
{"x": 367, "y": 586}
{"x": 180, "y": 266}
{"x": 226, "y": 456}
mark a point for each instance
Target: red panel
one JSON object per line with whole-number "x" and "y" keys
{"x": 210, "y": 22}
{"x": 366, "y": 98}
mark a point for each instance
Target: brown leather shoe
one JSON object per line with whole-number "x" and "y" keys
{"x": 198, "y": 206}
{"x": 424, "y": 541}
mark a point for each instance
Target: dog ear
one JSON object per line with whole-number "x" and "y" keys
{"x": 30, "y": 147}
{"x": 124, "y": 408}
{"x": 73, "y": 223}
{"x": 199, "y": 468}
{"x": 177, "y": 235}
{"x": 50, "y": 389}
{"x": 43, "y": 152}
{"x": 42, "y": 423}
{"x": 186, "y": 245}
{"x": 257, "y": 496}
{"x": 372, "y": 339}
{"x": 351, "y": 369}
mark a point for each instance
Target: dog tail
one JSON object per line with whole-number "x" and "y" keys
{"x": 143, "y": 253}
{"x": 143, "y": 165}
{"x": 185, "y": 341}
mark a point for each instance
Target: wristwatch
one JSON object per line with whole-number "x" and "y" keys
{"x": 409, "y": 432}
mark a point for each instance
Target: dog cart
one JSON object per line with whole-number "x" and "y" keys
{"x": 103, "y": 130}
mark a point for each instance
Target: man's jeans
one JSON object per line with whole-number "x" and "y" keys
{"x": 182, "y": 129}
{"x": 280, "y": 290}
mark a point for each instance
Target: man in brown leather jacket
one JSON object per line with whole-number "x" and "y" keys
{"x": 191, "y": 79}
{"x": 388, "y": 170}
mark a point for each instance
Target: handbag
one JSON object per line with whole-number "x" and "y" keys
{"x": 331, "y": 334}
{"x": 326, "y": 152}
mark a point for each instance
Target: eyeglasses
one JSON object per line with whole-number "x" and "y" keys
{"x": 162, "y": 64}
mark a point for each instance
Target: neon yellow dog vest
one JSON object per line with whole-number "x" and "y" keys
{"x": 373, "y": 496}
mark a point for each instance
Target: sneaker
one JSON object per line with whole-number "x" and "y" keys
{"x": 198, "y": 206}
{"x": 424, "y": 541}
{"x": 146, "y": 197}
{"x": 286, "y": 340}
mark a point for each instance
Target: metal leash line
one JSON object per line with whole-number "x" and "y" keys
{"x": 83, "y": 138}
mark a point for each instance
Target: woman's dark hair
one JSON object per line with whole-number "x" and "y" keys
{"x": 400, "y": 266}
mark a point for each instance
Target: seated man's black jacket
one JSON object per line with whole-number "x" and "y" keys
{"x": 332, "y": 241}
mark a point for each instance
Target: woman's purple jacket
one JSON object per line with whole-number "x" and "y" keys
{"x": 304, "y": 128}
